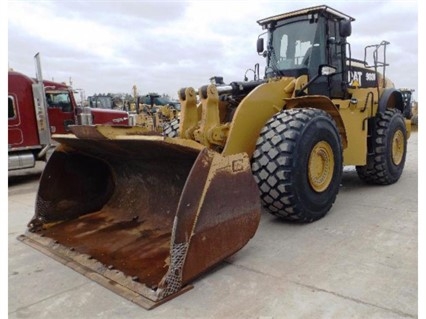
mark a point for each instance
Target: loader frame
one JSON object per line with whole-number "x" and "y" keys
{"x": 155, "y": 211}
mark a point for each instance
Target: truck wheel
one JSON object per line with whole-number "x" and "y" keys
{"x": 389, "y": 147}
{"x": 297, "y": 164}
{"x": 171, "y": 128}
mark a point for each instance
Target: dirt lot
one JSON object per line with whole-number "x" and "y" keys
{"x": 360, "y": 261}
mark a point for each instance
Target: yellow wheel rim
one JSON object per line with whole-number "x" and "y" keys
{"x": 321, "y": 166}
{"x": 398, "y": 144}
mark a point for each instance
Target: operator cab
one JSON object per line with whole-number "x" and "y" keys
{"x": 299, "y": 42}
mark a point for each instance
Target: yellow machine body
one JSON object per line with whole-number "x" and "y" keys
{"x": 144, "y": 213}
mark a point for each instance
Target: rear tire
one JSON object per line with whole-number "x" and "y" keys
{"x": 297, "y": 164}
{"x": 171, "y": 129}
{"x": 386, "y": 163}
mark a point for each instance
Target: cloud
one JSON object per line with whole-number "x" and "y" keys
{"x": 108, "y": 46}
{"x": 47, "y": 23}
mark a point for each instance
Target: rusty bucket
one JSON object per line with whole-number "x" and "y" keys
{"x": 142, "y": 215}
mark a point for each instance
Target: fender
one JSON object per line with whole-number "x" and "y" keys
{"x": 254, "y": 111}
{"x": 391, "y": 98}
{"x": 322, "y": 103}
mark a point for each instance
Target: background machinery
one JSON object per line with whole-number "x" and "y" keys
{"x": 410, "y": 108}
{"x": 279, "y": 142}
{"x": 154, "y": 112}
{"x": 37, "y": 109}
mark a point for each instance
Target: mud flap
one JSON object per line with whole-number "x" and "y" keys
{"x": 143, "y": 216}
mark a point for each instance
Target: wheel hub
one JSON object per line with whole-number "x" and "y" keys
{"x": 321, "y": 166}
{"x": 398, "y": 147}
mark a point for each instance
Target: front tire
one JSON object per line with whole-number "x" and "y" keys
{"x": 298, "y": 164}
{"x": 389, "y": 147}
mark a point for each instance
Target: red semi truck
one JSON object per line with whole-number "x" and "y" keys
{"x": 39, "y": 108}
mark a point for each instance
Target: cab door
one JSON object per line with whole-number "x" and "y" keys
{"x": 60, "y": 111}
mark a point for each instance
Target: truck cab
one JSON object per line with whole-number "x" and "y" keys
{"x": 37, "y": 109}
{"x": 302, "y": 41}
{"x": 31, "y": 122}
{"x": 299, "y": 42}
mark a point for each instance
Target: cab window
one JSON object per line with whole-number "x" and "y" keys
{"x": 60, "y": 100}
{"x": 11, "y": 108}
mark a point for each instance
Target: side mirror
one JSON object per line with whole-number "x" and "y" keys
{"x": 345, "y": 28}
{"x": 323, "y": 70}
{"x": 260, "y": 46}
{"x": 326, "y": 70}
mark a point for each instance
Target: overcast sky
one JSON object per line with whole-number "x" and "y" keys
{"x": 162, "y": 46}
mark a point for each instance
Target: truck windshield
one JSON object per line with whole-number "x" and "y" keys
{"x": 292, "y": 44}
{"x": 102, "y": 102}
{"x": 60, "y": 100}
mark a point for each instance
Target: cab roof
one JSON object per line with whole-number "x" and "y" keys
{"x": 310, "y": 10}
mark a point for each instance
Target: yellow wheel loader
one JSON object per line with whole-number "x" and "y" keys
{"x": 145, "y": 214}
{"x": 154, "y": 112}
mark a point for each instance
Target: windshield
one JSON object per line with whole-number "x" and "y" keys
{"x": 291, "y": 45}
{"x": 157, "y": 100}
{"x": 160, "y": 101}
{"x": 102, "y": 102}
